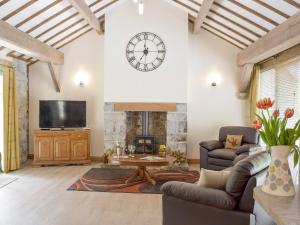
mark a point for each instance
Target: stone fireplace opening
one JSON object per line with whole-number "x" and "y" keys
{"x": 146, "y": 125}
{"x": 146, "y": 130}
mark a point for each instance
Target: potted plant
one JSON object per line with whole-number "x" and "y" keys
{"x": 280, "y": 141}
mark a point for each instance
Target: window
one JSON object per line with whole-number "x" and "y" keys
{"x": 282, "y": 83}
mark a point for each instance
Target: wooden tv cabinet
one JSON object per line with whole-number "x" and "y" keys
{"x": 54, "y": 147}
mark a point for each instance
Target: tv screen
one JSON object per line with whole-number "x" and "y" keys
{"x": 62, "y": 114}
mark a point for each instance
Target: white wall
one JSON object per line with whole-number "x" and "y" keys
{"x": 83, "y": 56}
{"x": 209, "y": 107}
{"x": 168, "y": 83}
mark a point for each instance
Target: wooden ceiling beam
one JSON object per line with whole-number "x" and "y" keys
{"x": 87, "y": 14}
{"x": 48, "y": 19}
{"x": 240, "y": 5}
{"x": 186, "y": 6}
{"x": 277, "y": 40}
{"x": 4, "y": 2}
{"x": 16, "y": 40}
{"x": 203, "y": 12}
{"x": 225, "y": 34}
{"x": 105, "y": 6}
{"x": 241, "y": 17}
{"x": 73, "y": 39}
{"x": 235, "y": 23}
{"x": 69, "y": 35}
{"x": 38, "y": 13}
{"x": 293, "y": 3}
{"x": 63, "y": 30}
{"x": 272, "y": 8}
{"x": 11, "y": 54}
{"x": 214, "y": 33}
{"x": 13, "y": 13}
{"x": 230, "y": 29}
{"x": 54, "y": 77}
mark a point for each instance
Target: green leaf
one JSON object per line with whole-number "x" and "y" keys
{"x": 296, "y": 156}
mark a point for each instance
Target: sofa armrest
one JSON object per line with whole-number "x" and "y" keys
{"x": 194, "y": 193}
{"x": 247, "y": 148}
{"x": 211, "y": 145}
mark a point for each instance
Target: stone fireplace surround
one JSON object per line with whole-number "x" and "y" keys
{"x": 120, "y": 117}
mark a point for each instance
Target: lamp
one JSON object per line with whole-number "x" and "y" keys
{"x": 141, "y": 7}
{"x": 81, "y": 78}
{"x": 214, "y": 79}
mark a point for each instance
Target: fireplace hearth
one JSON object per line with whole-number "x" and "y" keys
{"x": 145, "y": 143}
{"x": 146, "y": 129}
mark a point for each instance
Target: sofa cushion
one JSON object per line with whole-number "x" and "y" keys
{"x": 250, "y": 135}
{"x": 211, "y": 145}
{"x": 220, "y": 162}
{"x": 213, "y": 179}
{"x": 222, "y": 153}
{"x": 243, "y": 170}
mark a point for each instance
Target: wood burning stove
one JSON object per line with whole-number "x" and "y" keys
{"x": 145, "y": 143}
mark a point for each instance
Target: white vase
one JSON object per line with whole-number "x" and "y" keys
{"x": 279, "y": 180}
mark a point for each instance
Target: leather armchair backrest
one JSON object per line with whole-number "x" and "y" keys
{"x": 250, "y": 135}
{"x": 243, "y": 171}
{"x": 246, "y": 203}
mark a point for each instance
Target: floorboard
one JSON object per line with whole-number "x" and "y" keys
{"x": 39, "y": 197}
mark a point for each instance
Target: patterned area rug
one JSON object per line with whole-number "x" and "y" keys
{"x": 113, "y": 180}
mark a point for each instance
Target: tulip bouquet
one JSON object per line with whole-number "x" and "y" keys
{"x": 273, "y": 129}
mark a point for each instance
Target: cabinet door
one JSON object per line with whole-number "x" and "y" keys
{"x": 61, "y": 148}
{"x": 43, "y": 149}
{"x": 79, "y": 149}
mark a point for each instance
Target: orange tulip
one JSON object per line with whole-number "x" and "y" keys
{"x": 276, "y": 113}
{"x": 289, "y": 113}
{"x": 257, "y": 124}
{"x": 264, "y": 103}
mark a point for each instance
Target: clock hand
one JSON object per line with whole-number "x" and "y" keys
{"x": 142, "y": 57}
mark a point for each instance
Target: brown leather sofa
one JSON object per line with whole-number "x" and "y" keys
{"x": 190, "y": 204}
{"x": 214, "y": 156}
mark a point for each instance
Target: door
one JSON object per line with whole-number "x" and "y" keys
{"x": 61, "y": 148}
{"x": 79, "y": 149}
{"x": 43, "y": 149}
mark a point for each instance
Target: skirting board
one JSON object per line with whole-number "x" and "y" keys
{"x": 93, "y": 158}
{"x": 100, "y": 159}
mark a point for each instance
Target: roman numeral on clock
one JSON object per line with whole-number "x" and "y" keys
{"x": 131, "y": 59}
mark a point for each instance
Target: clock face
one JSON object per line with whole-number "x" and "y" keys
{"x": 145, "y": 51}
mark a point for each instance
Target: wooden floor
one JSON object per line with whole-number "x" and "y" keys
{"x": 39, "y": 197}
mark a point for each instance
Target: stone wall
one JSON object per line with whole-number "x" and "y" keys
{"x": 177, "y": 128}
{"x": 114, "y": 126}
{"x": 22, "y": 92}
{"x": 169, "y": 128}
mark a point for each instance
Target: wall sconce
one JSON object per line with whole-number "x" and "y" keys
{"x": 81, "y": 78}
{"x": 214, "y": 79}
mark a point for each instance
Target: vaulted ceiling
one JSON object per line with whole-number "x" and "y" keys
{"x": 57, "y": 22}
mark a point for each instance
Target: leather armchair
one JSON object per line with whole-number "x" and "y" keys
{"x": 214, "y": 156}
{"x": 189, "y": 204}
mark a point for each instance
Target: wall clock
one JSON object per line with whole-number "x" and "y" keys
{"x": 145, "y": 51}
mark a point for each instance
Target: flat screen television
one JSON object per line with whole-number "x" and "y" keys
{"x": 62, "y": 114}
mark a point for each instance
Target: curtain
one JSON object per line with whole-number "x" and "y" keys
{"x": 11, "y": 153}
{"x": 253, "y": 92}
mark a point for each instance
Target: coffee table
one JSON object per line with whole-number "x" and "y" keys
{"x": 141, "y": 164}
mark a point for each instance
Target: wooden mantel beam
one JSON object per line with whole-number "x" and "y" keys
{"x": 18, "y": 41}
{"x": 203, "y": 12}
{"x": 87, "y": 14}
{"x": 282, "y": 37}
